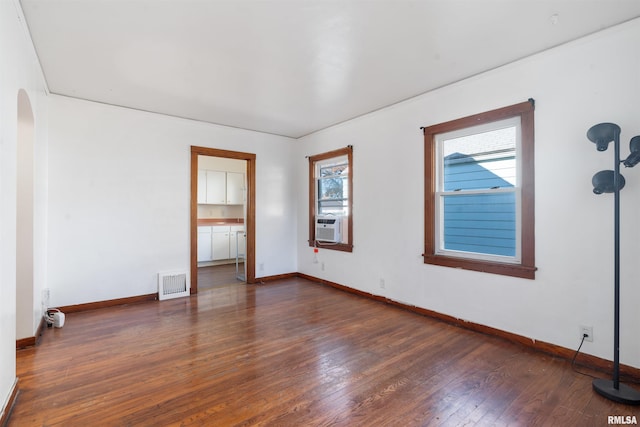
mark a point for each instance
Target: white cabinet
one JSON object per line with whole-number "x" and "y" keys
{"x": 220, "y": 242}
{"x": 235, "y": 188}
{"x": 216, "y": 188}
{"x": 220, "y": 188}
{"x": 212, "y": 187}
{"x": 204, "y": 244}
{"x": 202, "y": 186}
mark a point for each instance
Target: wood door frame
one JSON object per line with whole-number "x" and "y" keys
{"x": 250, "y": 220}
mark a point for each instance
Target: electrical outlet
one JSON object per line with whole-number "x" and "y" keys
{"x": 382, "y": 284}
{"x": 322, "y": 266}
{"x": 261, "y": 266}
{"x": 587, "y": 333}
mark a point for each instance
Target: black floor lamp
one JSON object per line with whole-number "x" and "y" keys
{"x": 610, "y": 181}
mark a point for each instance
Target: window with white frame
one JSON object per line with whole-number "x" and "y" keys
{"x": 332, "y": 186}
{"x": 479, "y": 192}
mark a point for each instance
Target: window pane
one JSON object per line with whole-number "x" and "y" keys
{"x": 334, "y": 207}
{"x": 333, "y": 170}
{"x": 480, "y": 223}
{"x": 331, "y": 188}
{"x": 480, "y": 161}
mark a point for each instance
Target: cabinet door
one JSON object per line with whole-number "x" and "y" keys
{"x": 204, "y": 244}
{"x": 235, "y": 188}
{"x": 216, "y": 187}
{"x": 202, "y": 186}
{"x": 220, "y": 243}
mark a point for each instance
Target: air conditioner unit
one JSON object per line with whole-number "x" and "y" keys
{"x": 328, "y": 228}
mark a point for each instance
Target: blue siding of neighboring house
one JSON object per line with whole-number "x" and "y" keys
{"x": 480, "y": 223}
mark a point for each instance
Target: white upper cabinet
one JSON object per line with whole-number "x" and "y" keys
{"x": 216, "y": 187}
{"x": 220, "y": 188}
{"x": 235, "y": 188}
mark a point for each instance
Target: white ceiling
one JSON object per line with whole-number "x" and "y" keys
{"x": 291, "y": 67}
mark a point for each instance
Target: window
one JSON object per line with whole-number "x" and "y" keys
{"x": 332, "y": 177}
{"x": 330, "y": 200}
{"x": 479, "y": 192}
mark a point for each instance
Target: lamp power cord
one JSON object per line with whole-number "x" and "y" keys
{"x": 573, "y": 366}
{"x": 573, "y": 361}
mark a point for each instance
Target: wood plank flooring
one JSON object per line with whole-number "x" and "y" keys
{"x": 291, "y": 353}
{"x": 218, "y": 275}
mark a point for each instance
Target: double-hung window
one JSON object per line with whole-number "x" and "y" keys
{"x": 332, "y": 186}
{"x": 330, "y": 199}
{"x": 479, "y": 192}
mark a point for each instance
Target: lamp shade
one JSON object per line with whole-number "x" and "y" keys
{"x": 634, "y": 157}
{"x": 603, "y": 182}
{"x": 602, "y": 134}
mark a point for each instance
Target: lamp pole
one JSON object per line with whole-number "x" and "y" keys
{"x": 602, "y": 134}
{"x": 616, "y": 260}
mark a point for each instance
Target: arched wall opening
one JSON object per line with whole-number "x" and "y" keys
{"x": 25, "y": 219}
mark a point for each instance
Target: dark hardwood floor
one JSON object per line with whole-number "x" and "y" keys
{"x": 291, "y": 353}
{"x": 219, "y": 275}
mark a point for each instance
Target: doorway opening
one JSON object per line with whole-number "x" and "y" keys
{"x": 222, "y": 217}
{"x": 27, "y": 314}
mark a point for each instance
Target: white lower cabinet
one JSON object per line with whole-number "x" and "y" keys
{"x": 204, "y": 244}
{"x": 217, "y": 243}
{"x": 220, "y": 243}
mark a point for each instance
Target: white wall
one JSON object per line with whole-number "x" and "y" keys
{"x": 575, "y": 86}
{"x": 119, "y": 193}
{"x": 19, "y": 69}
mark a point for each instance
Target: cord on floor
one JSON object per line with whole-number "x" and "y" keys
{"x": 627, "y": 380}
{"x": 573, "y": 361}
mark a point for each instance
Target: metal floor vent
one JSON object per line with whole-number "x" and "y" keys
{"x": 172, "y": 284}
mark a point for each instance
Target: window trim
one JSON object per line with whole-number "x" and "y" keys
{"x": 345, "y": 247}
{"x": 441, "y": 193}
{"x": 526, "y": 267}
